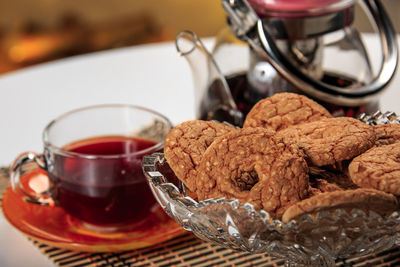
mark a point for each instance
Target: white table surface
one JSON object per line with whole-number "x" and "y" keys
{"x": 152, "y": 75}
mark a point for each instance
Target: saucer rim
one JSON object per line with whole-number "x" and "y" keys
{"x": 112, "y": 246}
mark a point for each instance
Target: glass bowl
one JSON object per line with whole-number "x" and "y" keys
{"x": 315, "y": 239}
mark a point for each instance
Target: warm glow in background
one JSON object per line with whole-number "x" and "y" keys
{"x": 35, "y": 31}
{"x": 204, "y": 16}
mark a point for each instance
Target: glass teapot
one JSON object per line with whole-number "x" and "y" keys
{"x": 304, "y": 46}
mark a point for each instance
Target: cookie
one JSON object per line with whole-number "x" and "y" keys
{"x": 338, "y": 178}
{"x": 284, "y": 109}
{"x": 185, "y": 144}
{"x": 254, "y": 166}
{"x": 331, "y": 141}
{"x": 319, "y": 186}
{"x": 378, "y": 168}
{"x": 363, "y": 198}
{"x": 387, "y": 134}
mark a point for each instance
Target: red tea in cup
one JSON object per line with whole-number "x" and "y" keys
{"x": 103, "y": 190}
{"x": 93, "y": 160}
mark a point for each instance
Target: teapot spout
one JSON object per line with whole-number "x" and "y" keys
{"x": 213, "y": 97}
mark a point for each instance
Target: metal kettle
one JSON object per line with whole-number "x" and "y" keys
{"x": 309, "y": 47}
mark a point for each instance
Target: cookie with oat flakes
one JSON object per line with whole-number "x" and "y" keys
{"x": 387, "y": 134}
{"x": 284, "y": 109}
{"x": 185, "y": 144}
{"x": 362, "y": 198}
{"x": 336, "y": 177}
{"x": 318, "y": 186}
{"x": 331, "y": 141}
{"x": 254, "y": 166}
{"x": 378, "y": 168}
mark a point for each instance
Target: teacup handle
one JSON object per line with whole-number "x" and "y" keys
{"x": 41, "y": 198}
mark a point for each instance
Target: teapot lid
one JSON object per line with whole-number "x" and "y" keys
{"x": 296, "y": 8}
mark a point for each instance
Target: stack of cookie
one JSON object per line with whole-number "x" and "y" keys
{"x": 291, "y": 157}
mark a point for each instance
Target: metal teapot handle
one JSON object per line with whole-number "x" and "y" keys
{"x": 248, "y": 27}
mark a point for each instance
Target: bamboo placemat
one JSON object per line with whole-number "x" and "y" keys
{"x": 185, "y": 250}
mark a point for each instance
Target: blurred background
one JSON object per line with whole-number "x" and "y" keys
{"x": 36, "y": 31}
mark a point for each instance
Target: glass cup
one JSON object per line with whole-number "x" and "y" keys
{"x": 93, "y": 159}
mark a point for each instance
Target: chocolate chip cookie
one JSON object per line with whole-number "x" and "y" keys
{"x": 185, "y": 144}
{"x": 331, "y": 141}
{"x": 254, "y": 166}
{"x": 378, "y": 168}
{"x": 284, "y": 109}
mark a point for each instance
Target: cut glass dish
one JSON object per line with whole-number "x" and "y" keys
{"x": 315, "y": 239}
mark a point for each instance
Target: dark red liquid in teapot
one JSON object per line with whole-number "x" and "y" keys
{"x": 240, "y": 89}
{"x": 107, "y": 190}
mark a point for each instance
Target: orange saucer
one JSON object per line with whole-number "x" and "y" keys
{"x": 54, "y": 227}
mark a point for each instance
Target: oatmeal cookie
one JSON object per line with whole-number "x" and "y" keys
{"x": 331, "y": 141}
{"x": 284, "y": 109}
{"x": 185, "y": 144}
{"x": 363, "y": 198}
{"x": 387, "y": 134}
{"x": 255, "y": 166}
{"x": 378, "y": 168}
{"x": 319, "y": 186}
{"x": 338, "y": 178}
